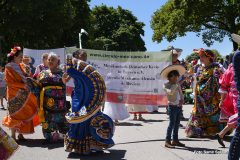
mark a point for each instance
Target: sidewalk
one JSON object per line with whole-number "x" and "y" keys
{"x": 134, "y": 140}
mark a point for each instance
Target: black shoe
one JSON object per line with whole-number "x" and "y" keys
{"x": 220, "y": 140}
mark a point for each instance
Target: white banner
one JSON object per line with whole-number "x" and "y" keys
{"x": 131, "y": 77}
{"x": 36, "y": 55}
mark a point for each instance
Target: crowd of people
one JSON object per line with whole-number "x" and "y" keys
{"x": 38, "y": 96}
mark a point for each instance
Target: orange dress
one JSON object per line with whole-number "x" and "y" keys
{"x": 22, "y": 104}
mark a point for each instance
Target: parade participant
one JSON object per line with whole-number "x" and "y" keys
{"x": 80, "y": 54}
{"x": 116, "y": 110}
{"x": 2, "y": 87}
{"x": 175, "y": 101}
{"x": 176, "y": 53}
{"x": 90, "y": 129}
{"x": 26, "y": 62}
{"x": 227, "y": 61}
{"x": 137, "y": 109}
{"x": 234, "y": 153}
{"x": 43, "y": 66}
{"x": 22, "y": 105}
{"x": 205, "y": 113}
{"x": 7, "y": 145}
{"x": 228, "y": 102}
{"x": 52, "y": 100}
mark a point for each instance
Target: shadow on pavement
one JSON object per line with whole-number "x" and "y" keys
{"x": 107, "y": 155}
{"x": 128, "y": 124}
{"x": 158, "y": 112}
{"x": 41, "y": 143}
{"x": 198, "y": 150}
{"x": 152, "y": 120}
{"x": 158, "y": 140}
{"x": 184, "y": 119}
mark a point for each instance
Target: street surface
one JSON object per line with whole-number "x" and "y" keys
{"x": 135, "y": 140}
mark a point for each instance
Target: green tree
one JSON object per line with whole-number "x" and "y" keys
{"x": 191, "y": 57}
{"x": 213, "y": 19}
{"x": 42, "y": 24}
{"x": 194, "y": 56}
{"x": 116, "y": 29}
{"x": 217, "y": 53}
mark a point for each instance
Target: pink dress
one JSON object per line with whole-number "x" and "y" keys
{"x": 229, "y": 106}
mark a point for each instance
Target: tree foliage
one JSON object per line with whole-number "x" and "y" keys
{"x": 116, "y": 29}
{"x": 194, "y": 56}
{"x": 191, "y": 57}
{"x": 42, "y": 24}
{"x": 213, "y": 19}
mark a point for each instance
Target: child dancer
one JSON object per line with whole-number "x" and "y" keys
{"x": 175, "y": 101}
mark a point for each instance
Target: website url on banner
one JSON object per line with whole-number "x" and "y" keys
{"x": 118, "y": 56}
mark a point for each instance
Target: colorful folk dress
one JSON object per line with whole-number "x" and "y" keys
{"x": 7, "y": 145}
{"x": 39, "y": 69}
{"x": 204, "y": 119}
{"x": 229, "y": 111}
{"x": 52, "y": 101}
{"x": 22, "y": 104}
{"x": 90, "y": 129}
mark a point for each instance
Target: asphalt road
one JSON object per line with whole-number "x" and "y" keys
{"x": 135, "y": 140}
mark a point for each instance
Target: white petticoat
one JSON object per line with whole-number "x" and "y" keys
{"x": 117, "y": 111}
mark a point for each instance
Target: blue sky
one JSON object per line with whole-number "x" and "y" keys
{"x": 144, "y": 9}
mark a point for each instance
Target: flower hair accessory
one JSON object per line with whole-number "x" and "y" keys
{"x": 202, "y": 51}
{"x": 13, "y": 51}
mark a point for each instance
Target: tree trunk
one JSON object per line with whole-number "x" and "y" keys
{"x": 235, "y": 46}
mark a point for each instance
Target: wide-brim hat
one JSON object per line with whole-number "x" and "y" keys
{"x": 164, "y": 73}
{"x": 207, "y": 53}
{"x": 173, "y": 50}
{"x": 236, "y": 38}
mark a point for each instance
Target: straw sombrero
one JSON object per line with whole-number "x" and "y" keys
{"x": 236, "y": 38}
{"x": 173, "y": 50}
{"x": 181, "y": 70}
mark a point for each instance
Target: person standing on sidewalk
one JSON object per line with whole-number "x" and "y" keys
{"x": 175, "y": 101}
